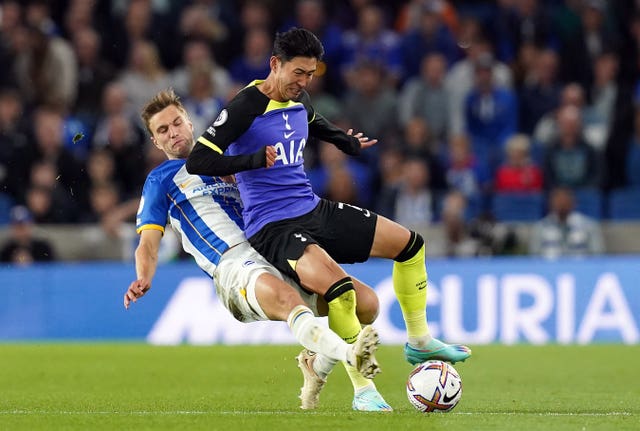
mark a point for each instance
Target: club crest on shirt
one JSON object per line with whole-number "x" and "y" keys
{"x": 222, "y": 118}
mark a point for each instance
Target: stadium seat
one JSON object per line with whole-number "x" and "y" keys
{"x": 589, "y": 202}
{"x": 624, "y": 204}
{"x": 518, "y": 207}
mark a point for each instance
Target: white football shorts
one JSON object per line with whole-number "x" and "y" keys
{"x": 235, "y": 281}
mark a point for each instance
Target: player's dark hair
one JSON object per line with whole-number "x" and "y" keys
{"x": 160, "y": 101}
{"x": 297, "y": 42}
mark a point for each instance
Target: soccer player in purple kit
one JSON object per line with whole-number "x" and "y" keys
{"x": 302, "y": 235}
{"x": 205, "y": 212}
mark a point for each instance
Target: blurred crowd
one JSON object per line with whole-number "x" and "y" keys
{"x": 468, "y": 99}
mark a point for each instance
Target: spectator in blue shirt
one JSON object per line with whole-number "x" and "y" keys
{"x": 373, "y": 42}
{"x": 571, "y": 162}
{"x": 491, "y": 114}
{"x": 253, "y": 63}
{"x": 430, "y": 36}
{"x": 540, "y": 94}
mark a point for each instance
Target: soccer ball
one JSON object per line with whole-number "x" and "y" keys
{"x": 434, "y": 386}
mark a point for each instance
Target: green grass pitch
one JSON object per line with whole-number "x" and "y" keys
{"x": 70, "y": 386}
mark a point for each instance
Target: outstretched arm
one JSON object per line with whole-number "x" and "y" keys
{"x": 146, "y": 263}
{"x": 205, "y": 160}
{"x": 364, "y": 141}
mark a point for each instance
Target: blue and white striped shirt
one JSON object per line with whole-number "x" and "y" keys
{"x": 205, "y": 211}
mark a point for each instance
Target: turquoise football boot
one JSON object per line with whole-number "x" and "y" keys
{"x": 370, "y": 400}
{"x": 436, "y": 350}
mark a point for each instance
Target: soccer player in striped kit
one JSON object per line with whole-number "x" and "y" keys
{"x": 206, "y": 212}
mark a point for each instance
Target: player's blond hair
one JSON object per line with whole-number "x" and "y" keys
{"x": 160, "y": 101}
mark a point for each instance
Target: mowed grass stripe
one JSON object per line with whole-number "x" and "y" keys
{"x": 127, "y": 386}
{"x": 318, "y": 413}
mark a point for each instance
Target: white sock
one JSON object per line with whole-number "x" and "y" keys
{"x": 323, "y": 365}
{"x": 315, "y": 336}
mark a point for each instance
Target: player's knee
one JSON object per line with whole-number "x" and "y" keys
{"x": 412, "y": 248}
{"x": 367, "y": 308}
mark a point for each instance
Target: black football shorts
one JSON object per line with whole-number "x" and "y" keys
{"x": 344, "y": 231}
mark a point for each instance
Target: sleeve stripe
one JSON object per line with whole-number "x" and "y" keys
{"x": 150, "y": 227}
{"x": 209, "y": 144}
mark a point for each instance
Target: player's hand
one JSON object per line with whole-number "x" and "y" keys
{"x": 270, "y": 155}
{"x": 136, "y": 290}
{"x": 365, "y": 142}
{"x": 230, "y": 179}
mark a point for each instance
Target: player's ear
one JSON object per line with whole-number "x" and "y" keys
{"x": 274, "y": 63}
{"x": 153, "y": 140}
